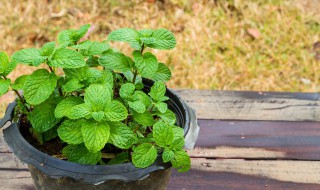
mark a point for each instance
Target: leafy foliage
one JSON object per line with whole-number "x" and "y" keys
{"x": 99, "y": 103}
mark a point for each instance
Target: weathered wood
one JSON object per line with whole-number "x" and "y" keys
{"x": 277, "y": 106}
{"x": 15, "y": 179}
{"x": 258, "y": 139}
{"x": 10, "y": 161}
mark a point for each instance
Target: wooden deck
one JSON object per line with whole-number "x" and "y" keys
{"x": 247, "y": 141}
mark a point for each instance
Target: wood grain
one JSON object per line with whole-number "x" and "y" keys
{"x": 240, "y": 105}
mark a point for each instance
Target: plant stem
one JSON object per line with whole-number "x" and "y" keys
{"x": 135, "y": 73}
{"x": 59, "y": 88}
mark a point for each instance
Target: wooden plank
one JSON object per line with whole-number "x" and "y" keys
{"x": 258, "y": 139}
{"x": 16, "y": 179}
{"x": 10, "y": 161}
{"x": 276, "y": 106}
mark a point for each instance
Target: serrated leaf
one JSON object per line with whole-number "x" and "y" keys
{"x": 39, "y": 86}
{"x": 115, "y": 61}
{"x": 158, "y": 91}
{"x": 115, "y": 111}
{"x": 128, "y": 35}
{"x": 147, "y": 64}
{"x": 70, "y": 131}
{"x": 29, "y": 56}
{"x": 80, "y": 154}
{"x": 163, "y": 73}
{"x": 89, "y": 48}
{"x": 97, "y": 97}
{"x": 160, "y": 39}
{"x": 92, "y": 61}
{"x": 63, "y": 108}
{"x": 119, "y": 158}
{"x": 145, "y": 119}
{"x": 181, "y": 161}
{"x": 95, "y": 135}
{"x": 79, "y": 111}
{"x": 126, "y": 90}
{"x": 19, "y": 82}
{"x": 137, "y": 106}
{"x": 4, "y": 86}
{"x": 129, "y": 76}
{"x": 67, "y": 58}
{"x": 121, "y": 135}
{"x": 162, "y": 134}
{"x": 142, "y": 97}
{"x": 144, "y": 155}
{"x": 162, "y": 107}
{"x": 47, "y": 49}
{"x": 178, "y": 132}
{"x": 167, "y": 155}
{"x": 11, "y": 65}
{"x": 72, "y": 85}
{"x": 72, "y": 36}
{"x": 177, "y": 144}
{"x": 106, "y": 79}
{"x": 42, "y": 117}
{"x": 168, "y": 117}
{"x": 93, "y": 75}
{"x": 5, "y": 65}
{"x": 50, "y": 134}
{"x": 98, "y": 116}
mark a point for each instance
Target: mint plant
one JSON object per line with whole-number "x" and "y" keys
{"x": 98, "y": 105}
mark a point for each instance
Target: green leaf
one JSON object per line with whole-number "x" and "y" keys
{"x": 39, "y": 86}
{"x": 137, "y": 106}
{"x": 50, "y": 134}
{"x": 181, "y": 161}
{"x": 97, "y": 97}
{"x": 145, "y": 119}
{"x": 4, "y": 86}
{"x": 163, "y": 73}
{"x": 72, "y": 36}
{"x": 95, "y": 135}
{"x": 80, "y": 154}
{"x": 89, "y": 48}
{"x": 162, "y": 107}
{"x": 119, "y": 158}
{"x": 162, "y": 134}
{"x": 160, "y": 39}
{"x": 72, "y": 85}
{"x": 168, "y": 117}
{"x": 121, "y": 135}
{"x": 70, "y": 131}
{"x": 126, "y": 90}
{"x": 5, "y": 65}
{"x": 47, "y": 49}
{"x": 178, "y": 132}
{"x": 129, "y": 76}
{"x": 11, "y": 65}
{"x": 142, "y": 97}
{"x": 29, "y": 56}
{"x": 177, "y": 144}
{"x": 147, "y": 63}
{"x": 115, "y": 61}
{"x": 116, "y": 111}
{"x": 93, "y": 75}
{"x": 106, "y": 79}
{"x": 79, "y": 111}
{"x": 98, "y": 116}
{"x": 158, "y": 91}
{"x": 64, "y": 107}
{"x": 128, "y": 35}
{"x": 42, "y": 117}
{"x": 167, "y": 155}
{"x": 144, "y": 155}
{"x": 67, "y": 58}
{"x": 19, "y": 82}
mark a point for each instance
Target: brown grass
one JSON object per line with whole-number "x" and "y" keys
{"x": 263, "y": 45}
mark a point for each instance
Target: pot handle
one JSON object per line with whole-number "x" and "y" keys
{"x": 8, "y": 115}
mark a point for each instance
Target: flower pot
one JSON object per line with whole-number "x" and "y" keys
{"x": 52, "y": 173}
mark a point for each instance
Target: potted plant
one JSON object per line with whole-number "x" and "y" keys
{"x": 106, "y": 122}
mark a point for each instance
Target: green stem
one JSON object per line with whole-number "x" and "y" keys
{"x": 135, "y": 73}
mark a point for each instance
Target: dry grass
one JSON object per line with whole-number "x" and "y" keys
{"x": 261, "y": 45}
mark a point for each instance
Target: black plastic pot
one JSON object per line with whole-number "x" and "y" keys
{"x": 52, "y": 173}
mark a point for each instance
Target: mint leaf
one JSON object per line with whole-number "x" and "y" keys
{"x": 98, "y": 116}
{"x": 97, "y": 97}
{"x": 181, "y": 161}
{"x": 72, "y": 85}
{"x": 79, "y": 111}
{"x": 64, "y": 107}
{"x": 93, "y": 75}
{"x": 160, "y": 39}
{"x": 162, "y": 134}
{"x": 128, "y": 35}
{"x": 129, "y": 76}
{"x": 106, "y": 79}
{"x": 47, "y": 49}
{"x": 168, "y": 117}
{"x": 167, "y": 155}
{"x": 147, "y": 64}
{"x": 145, "y": 119}
{"x": 116, "y": 111}
{"x": 89, "y": 48}
{"x": 178, "y": 132}
{"x": 42, "y": 117}
{"x": 95, "y": 135}
{"x": 126, "y": 90}
{"x": 163, "y": 73}
{"x": 72, "y": 36}
{"x": 137, "y": 106}
{"x": 142, "y": 97}
{"x": 5, "y": 65}
{"x": 39, "y": 86}
{"x": 177, "y": 144}
{"x": 119, "y": 158}
{"x": 67, "y": 58}
{"x": 144, "y": 155}
{"x": 121, "y": 135}
{"x": 115, "y": 61}
{"x": 29, "y": 56}
{"x": 80, "y": 154}
{"x": 162, "y": 107}
{"x": 158, "y": 91}
{"x": 4, "y": 86}
{"x": 19, "y": 82}
{"x": 70, "y": 131}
